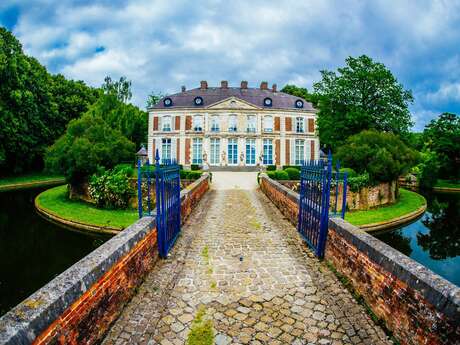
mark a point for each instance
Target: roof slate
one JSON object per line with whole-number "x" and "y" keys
{"x": 211, "y": 95}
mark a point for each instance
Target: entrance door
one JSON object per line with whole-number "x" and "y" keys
{"x": 250, "y": 151}
{"x": 232, "y": 151}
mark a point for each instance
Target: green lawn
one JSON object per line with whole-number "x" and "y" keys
{"x": 447, "y": 184}
{"x": 29, "y": 178}
{"x": 408, "y": 202}
{"x": 55, "y": 201}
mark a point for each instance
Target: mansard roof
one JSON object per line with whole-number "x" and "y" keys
{"x": 212, "y": 95}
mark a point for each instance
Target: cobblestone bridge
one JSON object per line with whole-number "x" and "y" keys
{"x": 245, "y": 266}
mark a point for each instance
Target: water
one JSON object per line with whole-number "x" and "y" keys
{"x": 434, "y": 239}
{"x": 32, "y": 250}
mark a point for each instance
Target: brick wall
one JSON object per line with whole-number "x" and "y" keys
{"x": 416, "y": 304}
{"x": 78, "y": 306}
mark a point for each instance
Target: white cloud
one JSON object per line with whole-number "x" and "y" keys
{"x": 448, "y": 92}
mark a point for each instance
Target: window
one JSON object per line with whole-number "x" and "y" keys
{"x": 198, "y": 123}
{"x": 299, "y": 124}
{"x": 165, "y": 149}
{"x": 268, "y": 152}
{"x": 251, "y": 124}
{"x": 268, "y": 123}
{"x": 198, "y": 100}
{"x": 268, "y": 102}
{"x": 299, "y": 152}
{"x": 197, "y": 151}
{"x": 166, "y": 123}
{"x": 232, "y": 123}
{"x": 215, "y": 151}
{"x": 232, "y": 151}
{"x": 299, "y": 104}
{"x": 167, "y": 102}
{"x": 250, "y": 151}
{"x": 215, "y": 123}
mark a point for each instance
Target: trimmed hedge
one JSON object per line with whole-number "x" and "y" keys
{"x": 190, "y": 174}
{"x": 271, "y": 167}
{"x": 281, "y": 175}
{"x": 291, "y": 166}
{"x": 194, "y": 167}
{"x": 294, "y": 174}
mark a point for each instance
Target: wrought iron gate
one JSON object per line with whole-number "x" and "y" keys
{"x": 316, "y": 180}
{"x": 167, "y": 184}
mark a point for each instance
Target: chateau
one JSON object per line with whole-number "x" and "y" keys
{"x": 233, "y": 127}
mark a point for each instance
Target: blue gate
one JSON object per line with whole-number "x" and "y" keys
{"x": 167, "y": 191}
{"x": 317, "y": 178}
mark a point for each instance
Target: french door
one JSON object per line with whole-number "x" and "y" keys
{"x": 232, "y": 151}
{"x": 250, "y": 151}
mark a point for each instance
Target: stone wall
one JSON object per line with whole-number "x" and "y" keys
{"x": 78, "y": 306}
{"x": 417, "y": 305}
{"x": 364, "y": 199}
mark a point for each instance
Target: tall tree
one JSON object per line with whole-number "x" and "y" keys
{"x": 153, "y": 99}
{"x": 301, "y": 92}
{"x": 121, "y": 88}
{"x": 362, "y": 95}
{"x": 442, "y": 136}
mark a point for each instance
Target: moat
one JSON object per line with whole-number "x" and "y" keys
{"x": 32, "y": 250}
{"x": 434, "y": 239}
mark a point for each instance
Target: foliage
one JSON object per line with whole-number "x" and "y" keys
{"x": 357, "y": 182}
{"x": 153, "y": 99}
{"x": 293, "y": 173}
{"x": 362, "y": 95}
{"x": 271, "y": 167}
{"x": 429, "y": 169}
{"x": 383, "y": 155}
{"x": 120, "y": 89}
{"x": 281, "y": 175}
{"x": 88, "y": 144}
{"x": 35, "y": 107}
{"x": 271, "y": 174}
{"x": 29, "y": 178}
{"x": 111, "y": 189}
{"x": 56, "y": 201}
{"x": 291, "y": 166}
{"x": 442, "y": 136}
{"x": 194, "y": 174}
{"x": 350, "y": 172}
{"x": 407, "y": 202}
{"x": 300, "y": 92}
{"x": 201, "y": 330}
{"x": 194, "y": 167}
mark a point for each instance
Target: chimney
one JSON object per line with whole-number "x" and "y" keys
{"x": 264, "y": 85}
{"x": 204, "y": 85}
{"x": 183, "y": 88}
{"x": 274, "y": 87}
{"x": 224, "y": 84}
{"x": 244, "y": 84}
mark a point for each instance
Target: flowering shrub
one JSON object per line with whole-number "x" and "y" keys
{"x": 111, "y": 188}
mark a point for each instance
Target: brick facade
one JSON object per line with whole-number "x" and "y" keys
{"x": 417, "y": 305}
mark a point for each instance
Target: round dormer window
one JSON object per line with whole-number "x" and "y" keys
{"x": 299, "y": 104}
{"x": 268, "y": 102}
{"x": 167, "y": 102}
{"x": 198, "y": 101}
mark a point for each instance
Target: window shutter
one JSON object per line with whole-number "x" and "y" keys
{"x": 187, "y": 150}
{"x": 188, "y": 123}
{"x": 288, "y": 124}
{"x": 312, "y": 149}
{"x": 155, "y": 123}
{"x": 311, "y": 125}
{"x": 277, "y": 152}
{"x": 178, "y": 150}
{"x": 292, "y": 152}
{"x": 288, "y": 152}
{"x": 277, "y": 123}
{"x": 177, "y": 124}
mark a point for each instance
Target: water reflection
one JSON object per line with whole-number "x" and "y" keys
{"x": 434, "y": 239}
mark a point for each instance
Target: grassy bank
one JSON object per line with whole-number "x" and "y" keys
{"x": 55, "y": 201}
{"x": 408, "y": 202}
{"x": 447, "y": 184}
{"x": 29, "y": 180}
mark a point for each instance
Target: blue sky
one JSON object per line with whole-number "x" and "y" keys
{"x": 161, "y": 45}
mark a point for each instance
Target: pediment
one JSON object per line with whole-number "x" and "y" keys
{"x": 232, "y": 103}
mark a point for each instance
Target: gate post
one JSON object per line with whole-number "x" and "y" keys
{"x": 148, "y": 187}
{"x": 139, "y": 188}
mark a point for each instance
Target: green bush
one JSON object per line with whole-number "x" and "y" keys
{"x": 194, "y": 167}
{"x": 271, "y": 167}
{"x": 184, "y": 174}
{"x": 281, "y": 175}
{"x": 383, "y": 155}
{"x": 291, "y": 166}
{"x": 194, "y": 175}
{"x": 350, "y": 172}
{"x": 293, "y": 173}
{"x": 111, "y": 188}
{"x": 429, "y": 170}
{"x": 357, "y": 182}
{"x": 271, "y": 174}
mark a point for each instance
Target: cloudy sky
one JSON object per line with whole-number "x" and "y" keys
{"x": 161, "y": 45}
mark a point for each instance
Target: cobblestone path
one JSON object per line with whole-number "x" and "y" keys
{"x": 245, "y": 266}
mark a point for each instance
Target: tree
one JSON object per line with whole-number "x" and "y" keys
{"x": 153, "y": 99}
{"x": 120, "y": 89}
{"x": 89, "y": 144}
{"x": 383, "y": 155}
{"x": 442, "y": 136}
{"x": 35, "y": 107}
{"x": 301, "y": 92}
{"x": 362, "y": 95}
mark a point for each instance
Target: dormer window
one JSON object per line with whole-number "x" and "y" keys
{"x": 198, "y": 123}
{"x": 166, "y": 123}
{"x": 167, "y": 102}
{"x": 268, "y": 102}
{"x": 198, "y": 101}
{"x": 299, "y": 104}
